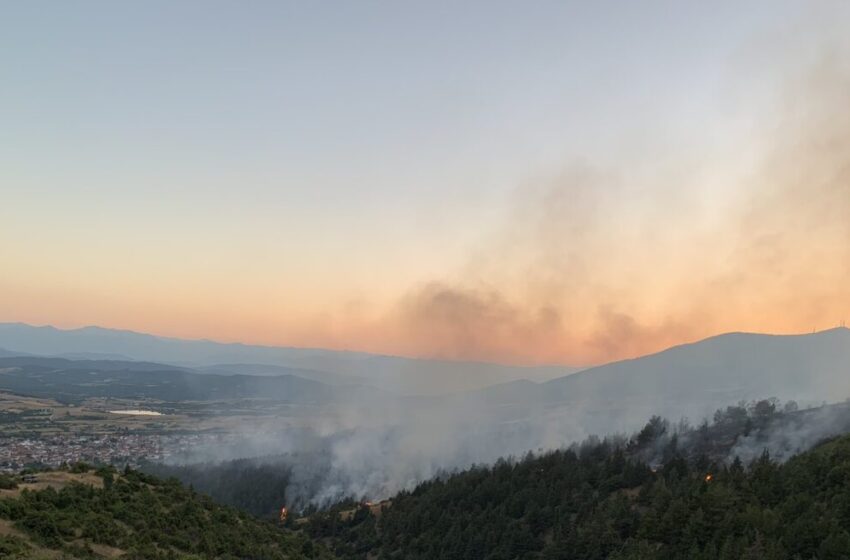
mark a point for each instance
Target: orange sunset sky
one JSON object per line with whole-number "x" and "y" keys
{"x": 563, "y": 184}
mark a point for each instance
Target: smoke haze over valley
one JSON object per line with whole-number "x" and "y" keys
{"x": 289, "y": 280}
{"x": 346, "y": 436}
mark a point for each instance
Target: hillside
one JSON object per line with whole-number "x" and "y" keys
{"x": 392, "y": 373}
{"x": 693, "y": 380}
{"x": 259, "y": 484}
{"x": 358, "y": 427}
{"x": 80, "y": 515}
{"x": 75, "y": 380}
{"x": 741, "y": 365}
{"x": 601, "y": 500}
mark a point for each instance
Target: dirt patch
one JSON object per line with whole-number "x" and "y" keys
{"x": 7, "y": 529}
{"x": 11, "y": 402}
{"x": 106, "y": 551}
{"x": 13, "y": 493}
{"x": 60, "y": 479}
{"x": 101, "y": 550}
{"x": 375, "y": 508}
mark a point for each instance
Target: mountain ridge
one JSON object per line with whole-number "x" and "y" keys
{"x": 395, "y": 373}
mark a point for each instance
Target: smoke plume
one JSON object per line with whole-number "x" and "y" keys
{"x": 607, "y": 261}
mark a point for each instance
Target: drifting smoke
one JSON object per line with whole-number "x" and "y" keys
{"x": 794, "y": 434}
{"x": 611, "y": 261}
{"x": 377, "y": 463}
{"x": 744, "y": 432}
{"x": 579, "y": 273}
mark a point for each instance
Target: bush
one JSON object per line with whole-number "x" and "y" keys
{"x": 7, "y": 482}
{"x": 13, "y": 547}
{"x": 81, "y": 467}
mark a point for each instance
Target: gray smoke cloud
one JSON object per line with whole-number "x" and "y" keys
{"x": 376, "y": 461}
{"x": 781, "y": 250}
{"x": 796, "y": 434}
{"x": 608, "y": 260}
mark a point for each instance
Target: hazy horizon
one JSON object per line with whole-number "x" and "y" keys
{"x": 563, "y": 183}
{"x": 575, "y": 367}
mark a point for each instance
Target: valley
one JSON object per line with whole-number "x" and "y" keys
{"x": 514, "y": 470}
{"x": 59, "y": 409}
{"x": 294, "y": 280}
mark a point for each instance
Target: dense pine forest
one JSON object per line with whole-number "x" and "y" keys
{"x": 735, "y": 487}
{"x": 602, "y": 500}
{"x": 255, "y": 486}
{"x": 261, "y": 485}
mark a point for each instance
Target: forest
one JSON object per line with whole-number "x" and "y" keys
{"x": 736, "y": 487}
{"x": 261, "y": 485}
{"x": 600, "y": 499}
{"x": 256, "y": 486}
{"x": 138, "y": 517}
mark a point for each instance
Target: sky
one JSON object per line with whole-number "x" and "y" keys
{"x": 544, "y": 182}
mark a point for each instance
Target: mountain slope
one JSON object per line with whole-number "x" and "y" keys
{"x": 136, "y": 516}
{"x": 75, "y": 380}
{"x": 803, "y": 366}
{"x": 396, "y": 374}
{"x": 8, "y": 353}
{"x": 599, "y": 500}
{"x": 695, "y": 379}
{"x": 328, "y": 378}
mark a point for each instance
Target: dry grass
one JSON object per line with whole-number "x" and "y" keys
{"x": 6, "y": 529}
{"x": 36, "y": 552}
{"x": 106, "y": 551}
{"x": 17, "y": 403}
{"x": 56, "y": 480}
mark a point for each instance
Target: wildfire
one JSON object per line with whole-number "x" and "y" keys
{"x": 708, "y": 478}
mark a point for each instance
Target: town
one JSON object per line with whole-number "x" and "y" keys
{"x": 17, "y": 453}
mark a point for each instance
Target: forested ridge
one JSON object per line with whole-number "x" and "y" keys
{"x": 601, "y": 499}
{"x": 137, "y": 517}
{"x": 255, "y": 486}
{"x": 669, "y": 491}
{"x": 261, "y": 485}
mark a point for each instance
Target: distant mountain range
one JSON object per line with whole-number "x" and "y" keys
{"x": 694, "y": 379}
{"x": 426, "y": 434}
{"x": 737, "y": 365}
{"x": 74, "y": 381}
{"x": 392, "y": 373}
{"x": 689, "y": 380}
